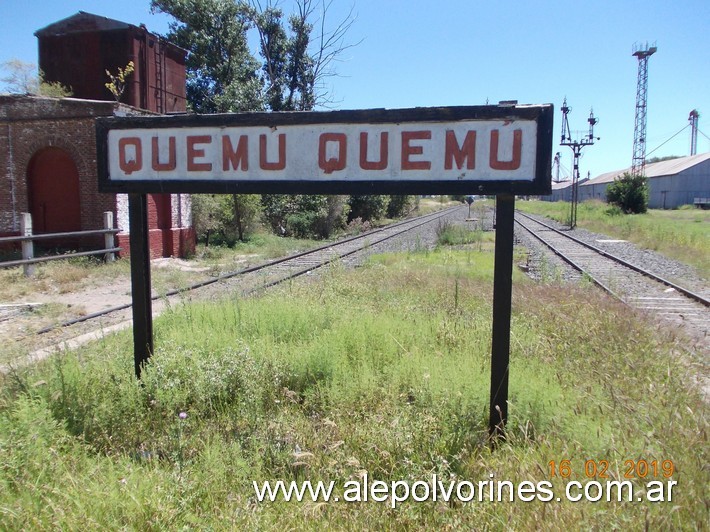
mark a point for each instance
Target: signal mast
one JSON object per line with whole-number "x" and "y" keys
{"x": 576, "y": 145}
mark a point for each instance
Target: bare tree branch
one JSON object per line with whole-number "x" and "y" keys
{"x": 331, "y": 47}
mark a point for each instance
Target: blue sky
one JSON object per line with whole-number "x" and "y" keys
{"x": 466, "y": 52}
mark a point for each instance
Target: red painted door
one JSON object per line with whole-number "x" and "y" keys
{"x": 53, "y": 188}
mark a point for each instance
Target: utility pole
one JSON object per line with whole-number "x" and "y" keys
{"x": 576, "y": 145}
{"x": 642, "y": 53}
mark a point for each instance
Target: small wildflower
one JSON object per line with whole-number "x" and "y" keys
{"x": 182, "y": 415}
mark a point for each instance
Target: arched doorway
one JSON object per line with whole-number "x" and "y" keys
{"x": 53, "y": 190}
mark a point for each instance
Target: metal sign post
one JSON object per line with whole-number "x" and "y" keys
{"x": 492, "y": 149}
{"x": 469, "y": 200}
{"x": 502, "y": 296}
{"x": 140, "y": 281}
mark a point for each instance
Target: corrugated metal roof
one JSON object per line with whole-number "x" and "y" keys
{"x": 561, "y": 185}
{"x": 80, "y": 22}
{"x": 88, "y": 22}
{"x": 659, "y": 169}
{"x": 675, "y": 166}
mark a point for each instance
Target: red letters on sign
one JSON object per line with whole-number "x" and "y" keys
{"x": 384, "y": 152}
{"x": 334, "y": 163}
{"x": 278, "y": 165}
{"x": 453, "y": 152}
{"x": 237, "y": 157}
{"x": 409, "y": 150}
{"x": 157, "y": 165}
{"x": 193, "y": 153}
{"x": 130, "y": 165}
{"x": 514, "y": 163}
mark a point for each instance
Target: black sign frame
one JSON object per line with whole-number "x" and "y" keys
{"x": 542, "y": 115}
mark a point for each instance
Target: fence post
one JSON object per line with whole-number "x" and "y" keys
{"x": 109, "y": 237}
{"x": 27, "y": 245}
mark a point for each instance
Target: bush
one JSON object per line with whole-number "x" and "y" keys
{"x": 299, "y": 224}
{"x": 304, "y": 215}
{"x": 400, "y": 206}
{"x": 358, "y": 226}
{"x": 205, "y": 215}
{"x": 369, "y": 207}
{"x": 630, "y": 193}
{"x": 241, "y": 214}
{"x": 225, "y": 218}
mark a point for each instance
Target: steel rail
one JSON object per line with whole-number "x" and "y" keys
{"x": 569, "y": 261}
{"x": 619, "y": 260}
{"x": 422, "y": 220}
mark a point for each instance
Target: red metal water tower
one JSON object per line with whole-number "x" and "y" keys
{"x": 77, "y": 51}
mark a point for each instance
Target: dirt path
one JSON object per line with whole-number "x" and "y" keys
{"x": 39, "y": 308}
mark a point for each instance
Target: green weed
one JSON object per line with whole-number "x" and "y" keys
{"x": 382, "y": 371}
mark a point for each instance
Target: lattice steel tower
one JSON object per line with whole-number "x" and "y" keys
{"x": 642, "y": 52}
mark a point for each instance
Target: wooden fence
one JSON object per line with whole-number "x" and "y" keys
{"x": 27, "y": 239}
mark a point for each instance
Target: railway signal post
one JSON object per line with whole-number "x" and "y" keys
{"x": 576, "y": 145}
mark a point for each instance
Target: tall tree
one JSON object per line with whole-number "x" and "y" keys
{"x": 296, "y": 55}
{"x": 221, "y": 70}
{"x": 288, "y": 68}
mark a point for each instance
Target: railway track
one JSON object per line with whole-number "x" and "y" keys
{"x": 265, "y": 275}
{"x": 628, "y": 282}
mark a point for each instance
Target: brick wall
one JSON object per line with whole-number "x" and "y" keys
{"x": 30, "y": 124}
{"x": 174, "y": 242}
{"x": 9, "y": 222}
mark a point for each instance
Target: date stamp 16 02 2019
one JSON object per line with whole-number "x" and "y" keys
{"x": 599, "y": 469}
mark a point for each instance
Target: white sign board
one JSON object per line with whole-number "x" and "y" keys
{"x": 162, "y": 153}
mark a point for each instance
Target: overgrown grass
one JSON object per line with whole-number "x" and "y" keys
{"x": 60, "y": 276}
{"x": 383, "y": 371}
{"x": 435, "y": 203}
{"x": 471, "y": 232}
{"x": 449, "y": 234}
{"x": 682, "y": 234}
{"x": 262, "y": 244}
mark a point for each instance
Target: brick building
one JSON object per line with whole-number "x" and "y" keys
{"x": 48, "y": 145}
{"x": 48, "y": 168}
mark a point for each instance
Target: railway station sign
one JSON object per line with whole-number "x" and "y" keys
{"x": 441, "y": 150}
{"x": 495, "y": 149}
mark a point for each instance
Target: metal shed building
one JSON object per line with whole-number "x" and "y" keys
{"x": 562, "y": 191}
{"x": 671, "y": 183}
